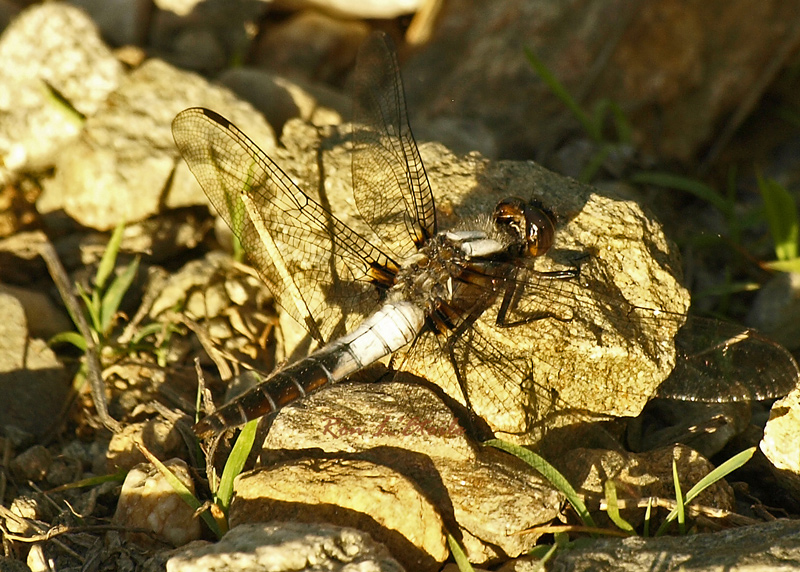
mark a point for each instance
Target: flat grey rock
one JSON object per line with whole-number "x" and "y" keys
{"x": 769, "y": 547}
{"x": 286, "y": 547}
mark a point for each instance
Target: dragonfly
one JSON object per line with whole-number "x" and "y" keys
{"x": 479, "y": 308}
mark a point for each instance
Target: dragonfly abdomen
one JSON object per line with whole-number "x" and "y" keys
{"x": 393, "y": 326}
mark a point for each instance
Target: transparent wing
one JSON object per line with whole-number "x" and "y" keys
{"x": 720, "y": 362}
{"x": 587, "y": 353}
{"x": 318, "y": 268}
{"x": 390, "y": 185}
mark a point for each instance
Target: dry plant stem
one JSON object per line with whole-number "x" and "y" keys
{"x": 554, "y": 529}
{"x": 217, "y": 355}
{"x": 44, "y": 533}
{"x": 691, "y": 510}
{"x": 93, "y": 367}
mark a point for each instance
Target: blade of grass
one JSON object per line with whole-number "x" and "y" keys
{"x": 235, "y": 463}
{"x": 621, "y": 124}
{"x": 109, "y": 259}
{"x": 696, "y": 188}
{"x": 561, "y": 93}
{"x": 612, "y": 508}
{"x": 92, "y": 310}
{"x": 458, "y": 555}
{"x": 647, "y": 515}
{"x": 549, "y": 472}
{"x": 791, "y": 265}
{"x": 73, "y": 338}
{"x": 781, "y": 212}
{"x": 184, "y": 493}
{"x": 680, "y": 504}
{"x": 119, "y": 476}
{"x": 595, "y": 163}
{"x": 719, "y": 473}
{"x": 115, "y": 293}
{"x": 735, "y": 462}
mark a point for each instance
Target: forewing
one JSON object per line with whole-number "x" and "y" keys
{"x": 318, "y": 268}
{"x": 390, "y": 186}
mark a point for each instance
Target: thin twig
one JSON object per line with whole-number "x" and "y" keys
{"x": 94, "y": 369}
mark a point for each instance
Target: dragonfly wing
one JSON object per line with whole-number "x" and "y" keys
{"x": 720, "y": 362}
{"x": 318, "y": 268}
{"x": 390, "y": 186}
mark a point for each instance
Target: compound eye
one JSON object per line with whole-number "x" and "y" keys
{"x": 541, "y": 230}
{"x": 532, "y": 225}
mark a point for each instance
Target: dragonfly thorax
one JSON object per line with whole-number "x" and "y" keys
{"x": 449, "y": 264}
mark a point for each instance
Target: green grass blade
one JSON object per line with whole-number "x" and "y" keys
{"x": 119, "y": 476}
{"x": 679, "y": 500}
{"x": 91, "y": 309}
{"x": 114, "y": 295}
{"x": 73, "y": 338}
{"x": 735, "y": 462}
{"x": 561, "y": 93}
{"x": 180, "y": 489}
{"x": 719, "y": 473}
{"x": 621, "y": 124}
{"x": 781, "y": 213}
{"x": 109, "y": 260}
{"x": 549, "y": 472}
{"x": 235, "y": 463}
{"x": 60, "y": 102}
{"x": 790, "y": 265}
{"x": 458, "y": 555}
{"x": 595, "y": 163}
{"x": 612, "y": 508}
{"x": 691, "y": 186}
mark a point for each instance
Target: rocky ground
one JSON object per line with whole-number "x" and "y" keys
{"x": 674, "y": 96}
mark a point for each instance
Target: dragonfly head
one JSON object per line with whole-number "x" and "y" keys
{"x": 529, "y": 224}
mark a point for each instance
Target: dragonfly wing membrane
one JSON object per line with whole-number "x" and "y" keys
{"x": 319, "y": 269}
{"x": 390, "y": 185}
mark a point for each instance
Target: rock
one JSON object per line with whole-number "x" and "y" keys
{"x": 286, "y": 547}
{"x": 676, "y": 68}
{"x": 356, "y": 10}
{"x": 769, "y": 546}
{"x": 353, "y": 494}
{"x": 49, "y": 44}
{"x": 120, "y": 21}
{"x": 583, "y": 358}
{"x": 202, "y": 289}
{"x": 45, "y": 320}
{"x": 148, "y": 501}
{"x": 162, "y": 439}
{"x": 20, "y": 262}
{"x": 32, "y": 465}
{"x": 128, "y": 146}
{"x": 776, "y": 309}
{"x": 705, "y": 427}
{"x": 406, "y": 428}
{"x": 639, "y": 476}
{"x": 781, "y": 442}
{"x": 33, "y": 382}
{"x": 311, "y": 46}
{"x": 204, "y": 36}
{"x": 280, "y": 99}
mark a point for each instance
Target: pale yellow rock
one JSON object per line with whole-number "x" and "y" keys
{"x": 148, "y": 501}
